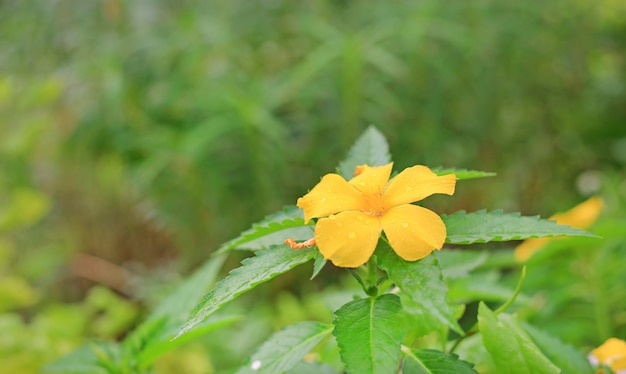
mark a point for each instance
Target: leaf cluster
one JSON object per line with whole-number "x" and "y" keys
{"x": 384, "y": 330}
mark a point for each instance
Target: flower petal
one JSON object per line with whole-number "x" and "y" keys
{"x": 416, "y": 183}
{"x": 610, "y": 353}
{"x": 331, "y": 195}
{"x": 413, "y": 232}
{"x": 619, "y": 365}
{"x": 348, "y": 239}
{"x": 372, "y": 180}
{"x": 581, "y": 216}
{"x": 528, "y": 247}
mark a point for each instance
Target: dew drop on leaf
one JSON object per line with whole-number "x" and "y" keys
{"x": 256, "y": 365}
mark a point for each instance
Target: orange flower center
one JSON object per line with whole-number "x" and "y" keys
{"x": 374, "y": 205}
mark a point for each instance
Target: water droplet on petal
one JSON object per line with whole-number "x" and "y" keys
{"x": 405, "y": 225}
{"x": 352, "y": 235}
{"x": 408, "y": 189}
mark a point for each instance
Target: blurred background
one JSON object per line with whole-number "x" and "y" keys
{"x": 137, "y": 136}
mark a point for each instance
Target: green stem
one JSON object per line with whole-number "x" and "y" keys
{"x": 510, "y": 301}
{"x": 372, "y": 272}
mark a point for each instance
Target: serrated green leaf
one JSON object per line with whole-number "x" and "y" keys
{"x": 424, "y": 291}
{"x": 370, "y": 148}
{"x": 463, "y": 173}
{"x": 283, "y": 350}
{"x": 369, "y": 333}
{"x": 459, "y": 263}
{"x": 510, "y": 348}
{"x": 273, "y": 229}
{"x": 568, "y": 359}
{"x": 266, "y": 265}
{"x": 428, "y": 361}
{"x": 319, "y": 263}
{"x": 483, "y": 226}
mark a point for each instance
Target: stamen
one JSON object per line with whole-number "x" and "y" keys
{"x": 305, "y": 244}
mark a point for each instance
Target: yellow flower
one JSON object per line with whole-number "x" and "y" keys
{"x": 612, "y": 353}
{"x": 581, "y": 216}
{"x": 356, "y": 212}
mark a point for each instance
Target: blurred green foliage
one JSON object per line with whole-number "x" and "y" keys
{"x": 146, "y": 132}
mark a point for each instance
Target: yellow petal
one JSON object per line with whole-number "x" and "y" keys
{"x": 612, "y": 350}
{"x": 413, "y": 232}
{"x": 618, "y": 364}
{"x": 528, "y": 247}
{"x": 416, "y": 183}
{"x": 581, "y": 216}
{"x": 372, "y": 180}
{"x": 348, "y": 239}
{"x": 331, "y": 195}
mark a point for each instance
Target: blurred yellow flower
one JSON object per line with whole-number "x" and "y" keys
{"x": 612, "y": 354}
{"x": 581, "y": 216}
{"x": 356, "y": 212}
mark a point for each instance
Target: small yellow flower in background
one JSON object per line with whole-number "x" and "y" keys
{"x": 612, "y": 354}
{"x": 581, "y": 216}
{"x": 353, "y": 213}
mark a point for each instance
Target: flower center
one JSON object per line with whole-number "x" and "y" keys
{"x": 374, "y": 205}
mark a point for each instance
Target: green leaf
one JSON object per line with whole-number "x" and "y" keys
{"x": 266, "y": 265}
{"x": 563, "y": 355}
{"x": 483, "y": 226}
{"x": 428, "y": 361}
{"x": 273, "y": 229}
{"x": 369, "y": 333}
{"x": 509, "y": 346}
{"x": 283, "y": 350}
{"x": 155, "y": 333}
{"x": 424, "y": 291}
{"x": 463, "y": 173}
{"x": 371, "y": 148}
{"x": 319, "y": 263}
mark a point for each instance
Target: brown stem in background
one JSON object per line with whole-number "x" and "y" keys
{"x": 102, "y": 272}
